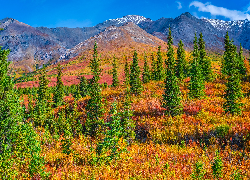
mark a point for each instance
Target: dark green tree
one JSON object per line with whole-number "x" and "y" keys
{"x": 181, "y": 63}
{"x": 59, "y": 90}
{"x": 19, "y": 147}
{"x": 43, "y": 99}
{"x": 241, "y": 65}
{"x": 196, "y": 85}
{"x": 204, "y": 62}
{"x": 226, "y": 63}
{"x": 126, "y": 72}
{"x": 172, "y": 93}
{"x": 94, "y": 105}
{"x": 115, "y": 81}
{"x": 233, "y": 91}
{"x": 146, "y": 72}
{"x": 160, "y": 73}
{"x": 135, "y": 79}
{"x": 153, "y": 68}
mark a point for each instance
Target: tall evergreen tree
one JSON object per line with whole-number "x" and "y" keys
{"x": 204, "y": 62}
{"x": 181, "y": 63}
{"x": 172, "y": 94}
{"x": 160, "y": 73}
{"x": 59, "y": 91}
{"x": 226, "y": 64}
{"x": 94, "y": 105}
{"x": 19, "y": 147}
{"x": 146, "y": 72}
{"x": 153, "y": 68}
{"x": 126, "y": 72}
{"x": 135, "y": 80}
{"x": 196, "y": 85}
{"x": 233, "y": 91}
{"x": 115, "y": 81}
{"x": 241, "y": 65}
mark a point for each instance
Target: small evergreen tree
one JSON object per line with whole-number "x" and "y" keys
{"x": 115, "y": 81}
{"x": 146, "y": 73}
{"x": 181, "y": 63}
{"x": 94, "y": 105}
{"x": 172, "y": 94}
{"x": 135, "y": 80}
{"x": 59, "y": 91}
{"x": 126, "y": 72}
{"x": 196, "y": 85}
{"x": 153, "y": 68}
{"x": 241, "y": 65}
{"x": 95, "y": 64}
{"x": 204, "y": 62}
{"x": 160, "y": 73}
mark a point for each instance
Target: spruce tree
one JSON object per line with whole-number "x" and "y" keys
{"x": 135, "y": 80}
{"x": 172, "y": 94}
{"x": 42, "y": 102}
{"x": 94, "y": 105}
{"x": 95, "y": 64}
{"x": 196, "y": 85}
{"x": 204, "y": 62}
{"x": 115, "y": 81}
{"x": 126, "y": 72}
{"x": 181, "y": 63}
{"x": 19, "y": 147}
{"x": 59, "y": 90}
{"x": 241, "y": 65}
{"x": 146, "y": 73}
{"x": 233, "y": 91}
{"x": 153, "y": 68}
{"x": 226, "y": 64}
{"x": 160, "y": 73}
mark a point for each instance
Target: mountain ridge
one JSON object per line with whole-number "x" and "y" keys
{"x": 42, "y": 44}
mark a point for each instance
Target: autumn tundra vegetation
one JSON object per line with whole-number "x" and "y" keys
{"x": 166, "y": 115}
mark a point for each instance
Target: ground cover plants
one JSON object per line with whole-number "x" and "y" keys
{"x": 187, "y": 117}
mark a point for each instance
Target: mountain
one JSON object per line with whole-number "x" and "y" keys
{"x": 27, "y": 43}
{"x": 128, "y": 35}
{"x": 31, "y": 45}
{"x": 184, "y": 26}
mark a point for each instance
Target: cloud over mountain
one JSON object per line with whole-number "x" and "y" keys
{"x": 220, "y": 11}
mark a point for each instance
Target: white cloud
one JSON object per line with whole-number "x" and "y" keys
{"x": 220, "y": 11}
{"x": 179, "y": 4}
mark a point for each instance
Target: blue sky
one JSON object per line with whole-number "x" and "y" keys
{"x": 82, "y": 13}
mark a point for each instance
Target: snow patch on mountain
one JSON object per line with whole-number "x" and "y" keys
{"x": 129, "y": 18}
{"x": 225, "y": 25}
